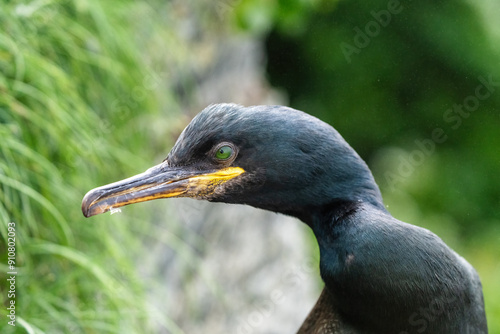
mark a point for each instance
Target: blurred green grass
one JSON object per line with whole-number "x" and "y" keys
{"x": 69, "y": 121}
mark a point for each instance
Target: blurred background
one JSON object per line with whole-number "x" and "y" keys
{"x": 94, "y": 91}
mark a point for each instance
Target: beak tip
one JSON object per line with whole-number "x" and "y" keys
{"x": 85, "y": 209}
{"x": 86, "y": 212}
{"x": 87, "y": 203}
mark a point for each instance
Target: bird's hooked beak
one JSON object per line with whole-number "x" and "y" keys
{"x": 160, "y": 181}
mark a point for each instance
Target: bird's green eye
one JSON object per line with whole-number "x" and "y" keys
{"x": 224, "y": 152}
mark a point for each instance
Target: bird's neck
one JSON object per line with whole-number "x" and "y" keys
{"x": 333, "y": 227}
{"x": 342, "y": 192}
{"x": 367, "y": 259}
{"x": 321, "y": 217}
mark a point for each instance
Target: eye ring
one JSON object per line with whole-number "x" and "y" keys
{"x": 224, "y": 152}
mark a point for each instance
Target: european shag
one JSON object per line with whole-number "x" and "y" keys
{"x": 381, "y": 275}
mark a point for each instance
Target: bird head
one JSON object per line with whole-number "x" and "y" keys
{"x": 270, "y": 157}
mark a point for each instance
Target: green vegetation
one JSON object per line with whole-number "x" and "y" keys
{"x": 76, "y": 101}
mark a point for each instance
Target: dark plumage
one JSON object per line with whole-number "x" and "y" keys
{"x": 381, "y": 275}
